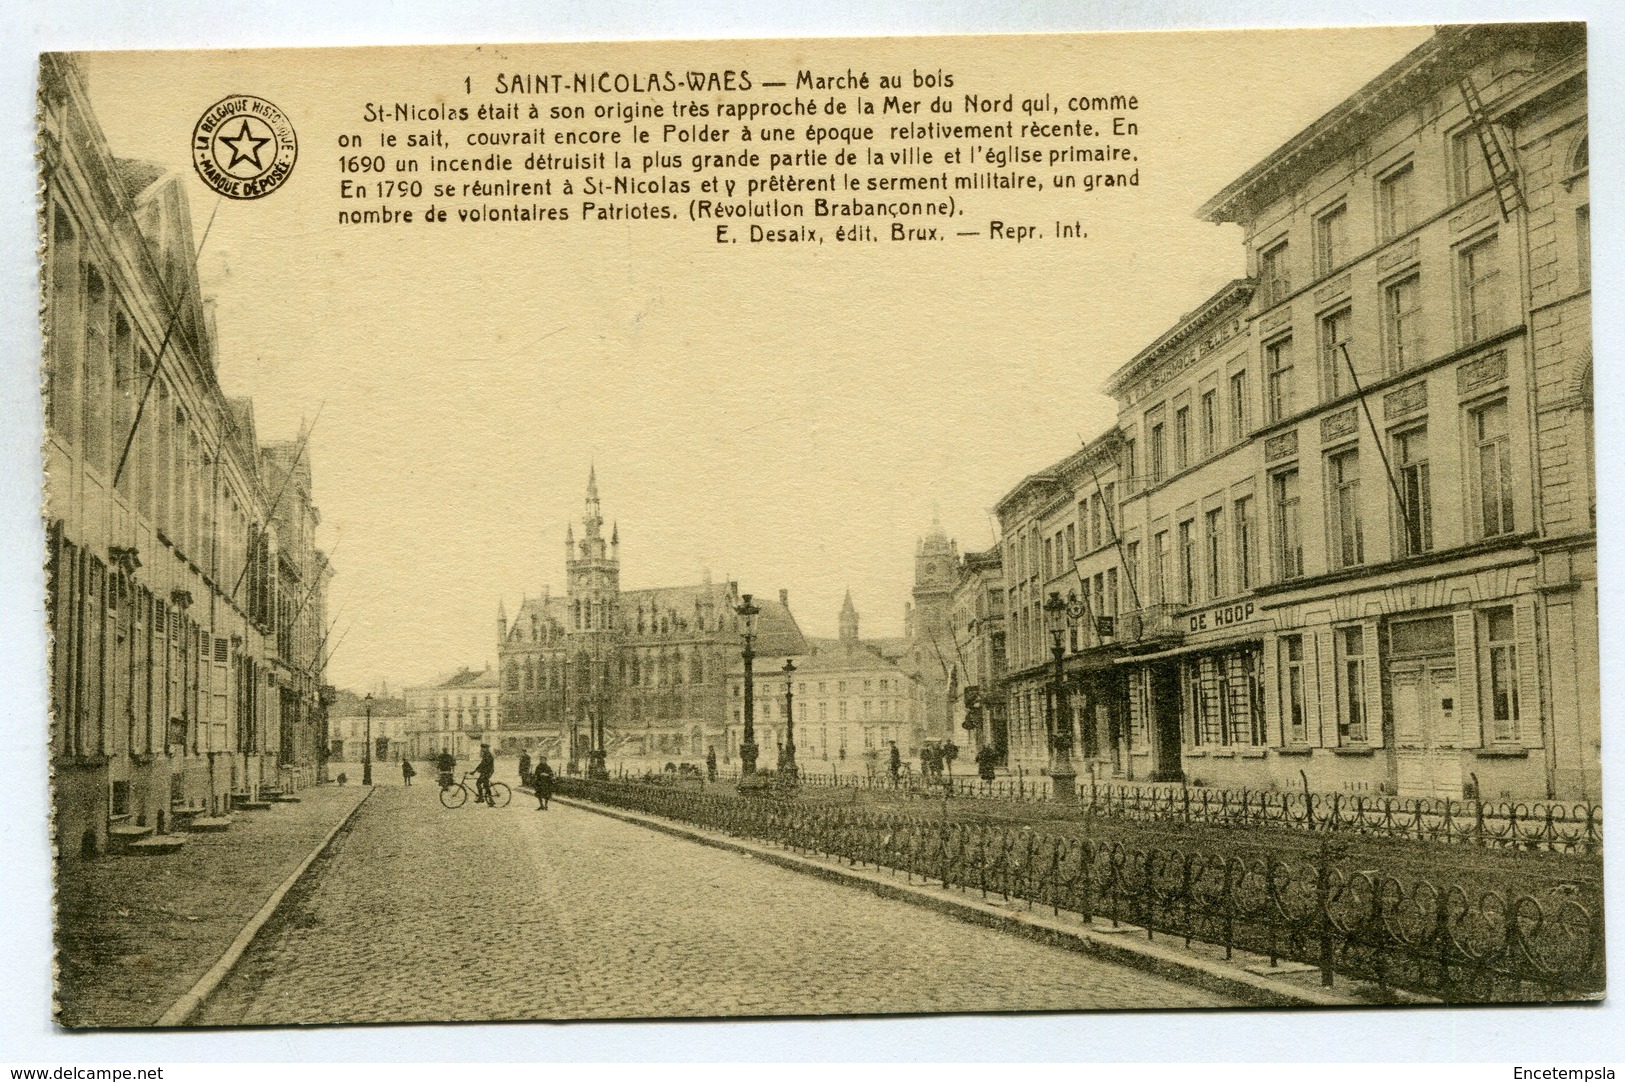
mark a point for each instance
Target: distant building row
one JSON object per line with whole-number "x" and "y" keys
{"x": 1343, "y": 532}
{"x": 186, "y": 597}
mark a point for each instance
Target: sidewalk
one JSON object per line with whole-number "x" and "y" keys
{"x": 134, "y": 933}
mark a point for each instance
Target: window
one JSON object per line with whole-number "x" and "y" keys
{"x": 1095, "y": 540}
{"x": 1214, "y": 539}
{"x": 1187, "y": 561}
{"x": 1159, "y": 567}
{"x": 1131, "y": 481}
{"x": 1471, "y": 174}
{"x": 1131, "y": 565}
{"x": 1274, "y": 281}
{"x": 1334, "y": 366}
{"x": 1402, "y": 323}
{"x": 1157, "y": 450}
{"x": 1492, "y": 469}
{"x": 1071, "y": 542}
{"x": 1210, "y": 422}
{"x": 1196, "y": 701}
{"x": 1479, "y": 273}
{"x": 1049, "y": 558}
{"x": 1292, "y": 689}
{"x": 1429, "y": 636}
{"x": 1288, "y": 531}
{"x": 1343, "y": 480}
{"x": 1244, "y": 543}
{"x": 1278, "y": 366}
{"x": 1182, "y": 437}
{"x": 1240, "y": 414}
{"x": 1395, "y": 202}
{"x": 1502, "y": 662}
{"x": 1331, "y": 240}
{"x": 1582, "y": 244}
{"x": 1416, "y": 506}
{"x": 1109, "y": 512}
{"x": 1111, "y": 592}
{"x": 1351, "y": 727}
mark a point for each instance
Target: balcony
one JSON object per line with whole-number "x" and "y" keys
{"x": 1153, "y": 624}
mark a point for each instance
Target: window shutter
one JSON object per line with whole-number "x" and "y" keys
{"x": 1373, "y": 686}
{"x": 1468, "y": 706}
{"x": 1325, "y": 697}
{"x": 1269, "y": 679}
{"x": 1530, "y": 706}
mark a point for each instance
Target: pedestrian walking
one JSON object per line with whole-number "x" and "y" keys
{"x": 407, "y": 772}
{"x": 541, "y": 780}
{"x": 445, "y": 765}
{"x": 895, "y": 763}
{"x": 711, "y": 764}
{"x": 524, "y": 768}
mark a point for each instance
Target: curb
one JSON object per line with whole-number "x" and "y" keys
{"x": 182, "y": 1010}
{"x": 1111, "y": 946}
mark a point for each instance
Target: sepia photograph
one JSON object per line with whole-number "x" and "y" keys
{"x": 789, "y": 528}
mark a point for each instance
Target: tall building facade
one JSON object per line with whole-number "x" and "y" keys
{"x": 1355, "y": 517}
{"x": 651, "y": 666}
{"x": 185, "y": 592}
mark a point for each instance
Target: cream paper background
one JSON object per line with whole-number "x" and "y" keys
{"x": 1030, "y": 413}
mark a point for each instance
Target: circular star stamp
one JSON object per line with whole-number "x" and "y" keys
{"x": 244, "y": 147}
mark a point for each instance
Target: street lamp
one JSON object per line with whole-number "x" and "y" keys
{"x": 1063, "y": 778}
{"x": 787, "y": 758}
{"x": 747, "y": 750}
{"x": 366, "y": 751}
{"x": 596, "y": 767}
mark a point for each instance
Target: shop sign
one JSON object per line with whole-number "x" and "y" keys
{"x": 1221, "y": 616}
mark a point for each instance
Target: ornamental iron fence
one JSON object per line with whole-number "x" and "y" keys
{"x": 1441, "y": 940}
{"x": 1554, "y": 826}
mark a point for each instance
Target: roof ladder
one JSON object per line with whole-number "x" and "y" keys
{"x": 1503, "y": 174}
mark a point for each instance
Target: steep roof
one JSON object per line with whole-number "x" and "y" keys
{"x": 830, "y": 655}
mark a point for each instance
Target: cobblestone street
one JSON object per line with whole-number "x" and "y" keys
{"x": 417, "y": 914}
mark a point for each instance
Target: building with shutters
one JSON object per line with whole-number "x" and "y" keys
{"x": 184, "y": 590}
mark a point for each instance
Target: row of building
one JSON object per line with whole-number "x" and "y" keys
{"x": 1343, "y": 533}
{"x": 660, "y": 672}
{"x": 186, "y": 596}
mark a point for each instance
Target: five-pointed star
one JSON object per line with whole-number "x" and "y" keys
{"x": 238, "y": 154}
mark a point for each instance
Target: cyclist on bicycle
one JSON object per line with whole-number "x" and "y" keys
{"x": 482, "y": 775}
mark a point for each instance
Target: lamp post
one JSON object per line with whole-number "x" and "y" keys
{"x": 787, "y": 759}
{"x": 366, "y": 752}
{"x": 1063, "y": 778}
{"x": 747, "y": 750}
{"x": 596, "y": 767}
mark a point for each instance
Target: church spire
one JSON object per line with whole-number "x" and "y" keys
{"x": 849, "y": 620}
{"x": 593, "y": 520}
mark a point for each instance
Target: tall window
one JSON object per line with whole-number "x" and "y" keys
{"x": 1502, "y": 662}
{"x": 1288, "y": 529}
{"x": 1210, "y": 422}
{"x": 1182, "y": 437}
{"x": 1402, "y": 323}
{"x": 1110, "y": 511}
{"x": 1492, "y": 469}
{"x": 1157, "y": 452}
{"x": 1479, "y": 274}
{"x": 1331, "y": 240}
{"x": 1159, "y": 566}
{"x": 1095, "y": 540}
{"x": 1343, "y": 478}
{"x": 1278, "y": 369}
{"x": 1471, "y": 174}
{"x": 1351, "y": 721}
{"x": 1187, "y": 561}
{"x": 1129, "y": 463}
{"x": 1416, "y": 507}
{"x": 1334, "y": 338}
{"x": 1292, "y": 689}
{"x": 1213, "y": 540}
{"x": 1131, "y": 564}
{"x": 1274, "y": 279}
{"x": 1244, "y": 543}
{"x": 1071, "y": 542}
{"x": 1395, "y": 202}
{"x": 1049, "y": 558}
{"x": 1240, "y": 413}
{"x": 1111, "y": 592}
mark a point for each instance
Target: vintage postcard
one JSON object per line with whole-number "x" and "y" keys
{"x": 821, "y": 527}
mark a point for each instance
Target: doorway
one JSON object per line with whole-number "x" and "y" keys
{"x": 1166, "y": 764}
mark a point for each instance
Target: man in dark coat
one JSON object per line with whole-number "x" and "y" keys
{"x": 445, "y": 765}
{"x": 524, "y": 768}
{"x": 542, "y": 779}
{"x": 482, "y": 775}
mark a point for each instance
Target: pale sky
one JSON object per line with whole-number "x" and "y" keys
{"x": 785, "y": 417}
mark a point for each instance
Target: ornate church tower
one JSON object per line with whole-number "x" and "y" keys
{"x": 936, "y": 563}
{"x": 593, "y": 569}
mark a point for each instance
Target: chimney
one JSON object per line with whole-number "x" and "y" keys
{"x": 784, "y": 597}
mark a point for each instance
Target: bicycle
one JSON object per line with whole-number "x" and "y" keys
{"x": 456, "y": 794}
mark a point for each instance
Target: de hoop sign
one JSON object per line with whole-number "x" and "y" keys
{"x": 1222, "y": 616}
